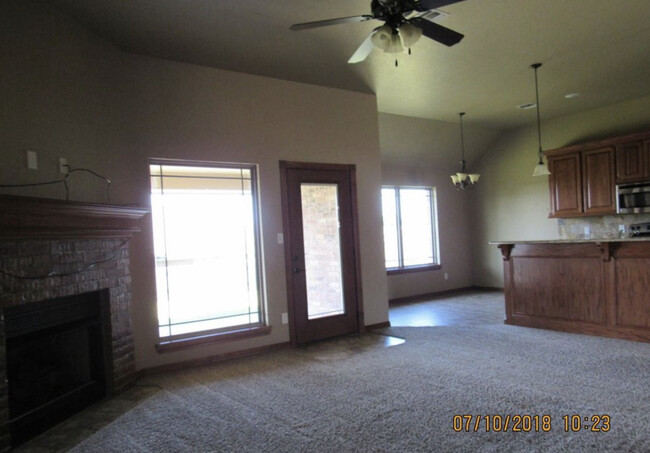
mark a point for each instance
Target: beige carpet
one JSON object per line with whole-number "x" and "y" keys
{"x": 398, "y": 399}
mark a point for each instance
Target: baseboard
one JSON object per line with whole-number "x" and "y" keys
{"x": 489, "y": 289}
{"x": 439, "y": 294}
{"x": 210, "y": 360}
{"x": 379, "y": 325}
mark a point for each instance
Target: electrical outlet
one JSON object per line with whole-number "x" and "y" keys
{"x": 32, "y": 160}
{"x": 446, "y": 276}
{"x": 63, "y": 165}
{"x": 285, "y": 318}
{"x": 280, "y": 238}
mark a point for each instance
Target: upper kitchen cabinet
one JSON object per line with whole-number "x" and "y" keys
{"x": 632, "y": 161}
{"x": 584, "y": 177}
{"x": 565, "y": 184}
{"x": 582, "y": 181}
{"x": 598, "y": 184}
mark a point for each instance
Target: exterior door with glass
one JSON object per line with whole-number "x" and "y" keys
{"x": 321, "y": 250}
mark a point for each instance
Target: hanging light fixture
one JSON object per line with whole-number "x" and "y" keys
{"x": 394, "y": 38}
{"x": 540, "y": 169}
{"x": 463, "y": 180}
{"x": 410, "y": 34}
{"x": 381, "y": 37}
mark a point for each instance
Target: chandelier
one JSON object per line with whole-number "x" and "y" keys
{"x": 463, "y": 180}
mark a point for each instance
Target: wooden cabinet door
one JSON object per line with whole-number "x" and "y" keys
{"x": 599, "y": 188}
{"x": 631, "y": 162}
{"x": 565, "y": 184}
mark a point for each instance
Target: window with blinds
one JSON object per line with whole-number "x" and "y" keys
{"x": 207, "y": 248}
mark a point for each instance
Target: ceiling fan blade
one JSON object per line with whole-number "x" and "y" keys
{"x": 437, "y": 32}
{"x": 327, "y": 22}
{"x": 426, "y": 5}
{"x": 364, "y": 49}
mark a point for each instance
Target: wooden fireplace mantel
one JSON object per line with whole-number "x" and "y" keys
{"x": 43, "y": 218}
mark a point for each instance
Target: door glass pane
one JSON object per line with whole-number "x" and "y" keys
{"x": 417, "y": 232}
{"x": 323, "y": 273}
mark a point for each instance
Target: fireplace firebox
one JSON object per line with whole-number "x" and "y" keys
{"x": 56, "y": 360}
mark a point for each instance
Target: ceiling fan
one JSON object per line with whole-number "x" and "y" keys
{"x": 399, "y": 30}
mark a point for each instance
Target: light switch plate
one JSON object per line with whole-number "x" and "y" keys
{"x": 32, "y": 160}
{"x": 63, "y": 165}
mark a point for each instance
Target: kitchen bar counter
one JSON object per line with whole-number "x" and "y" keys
{"x": 592, "y": 286}
{"x": 575, "y": 241}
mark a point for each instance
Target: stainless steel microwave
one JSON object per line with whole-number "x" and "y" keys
{"x": 633, "y": 198}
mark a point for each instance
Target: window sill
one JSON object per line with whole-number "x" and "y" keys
{"x": 413, "y": 269}
{"x": 199, "y": 340}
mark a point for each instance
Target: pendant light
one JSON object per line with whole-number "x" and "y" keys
{"x": 540, "y": 169}
{"x": 463, "y": 180}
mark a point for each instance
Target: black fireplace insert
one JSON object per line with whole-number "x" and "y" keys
{"x": 56, "y": 360}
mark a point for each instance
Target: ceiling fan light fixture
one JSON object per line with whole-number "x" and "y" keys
{"x": 381, "y": 38}
{"x": 401, "y": 27}
{"x": 395, "y": 45}
{"x": 410, "y": 34}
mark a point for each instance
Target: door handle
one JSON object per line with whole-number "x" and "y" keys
{"x": 295, "y": 268}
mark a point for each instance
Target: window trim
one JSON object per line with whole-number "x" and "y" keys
{"x": 436, "y": 265}
{"x": 413, "y": 269}
{"x": 242, "y": 331}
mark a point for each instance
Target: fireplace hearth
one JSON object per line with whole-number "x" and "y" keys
{"x": 66, "y": 338}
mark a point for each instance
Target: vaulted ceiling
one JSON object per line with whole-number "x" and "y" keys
{"x": 597, "y": 48}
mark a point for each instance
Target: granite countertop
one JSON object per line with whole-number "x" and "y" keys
{"x": 573, "y": 241}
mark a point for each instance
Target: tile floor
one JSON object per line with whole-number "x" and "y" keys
{"x": 457, "y": 309}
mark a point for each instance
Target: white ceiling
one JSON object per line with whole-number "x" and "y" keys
{"x": 598, "y": 48}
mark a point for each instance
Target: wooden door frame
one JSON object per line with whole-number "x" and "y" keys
{"x": 351, "y": 169}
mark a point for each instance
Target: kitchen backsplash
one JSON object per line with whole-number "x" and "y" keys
{"x": 599, "y": 227}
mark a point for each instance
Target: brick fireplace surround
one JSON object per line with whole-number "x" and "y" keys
{"x": 40, "y": 236}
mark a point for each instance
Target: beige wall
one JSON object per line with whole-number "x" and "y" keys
{"x": 453, "y": 233}
{"x": 512, "y": 204}
{"x": 59, "y": 96}
{"x": 419, "y": 152}
{"x": 67, "y": 93}
{"x": 197, "y": 113}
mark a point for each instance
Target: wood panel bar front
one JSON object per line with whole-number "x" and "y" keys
{"x": 591, "y": 287}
